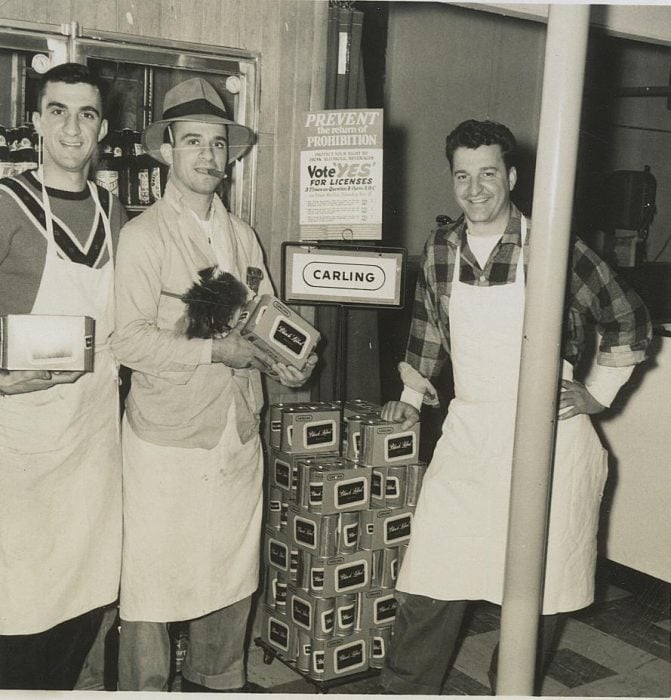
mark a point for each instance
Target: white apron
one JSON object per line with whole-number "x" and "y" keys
{"x": 192, "y": 516}
{"x": 457, "y": 549}
{"x": 60, "y": 477}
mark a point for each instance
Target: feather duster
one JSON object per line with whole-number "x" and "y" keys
{"x": 212, "y": 303}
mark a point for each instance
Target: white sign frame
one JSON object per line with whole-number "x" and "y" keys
{"x": 343, "y": 275}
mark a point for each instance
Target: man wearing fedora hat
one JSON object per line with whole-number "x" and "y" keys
{"x": 192, "y": 454}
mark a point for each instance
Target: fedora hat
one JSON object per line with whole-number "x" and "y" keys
{"x": 195, "y": 100}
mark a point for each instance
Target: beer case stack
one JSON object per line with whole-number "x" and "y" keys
{"x": 343, "y": 485}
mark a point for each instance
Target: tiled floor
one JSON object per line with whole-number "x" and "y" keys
{"x": 618, "y": 647}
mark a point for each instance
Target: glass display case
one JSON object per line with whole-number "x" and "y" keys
{"x": 137, "y": 72}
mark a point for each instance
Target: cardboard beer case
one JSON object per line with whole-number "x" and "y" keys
{"x": 376, "y": 608}
{"x": 315, "y": 615}
{"x": 331, "y": 484}
{"x": 339, "y": 657}
{"x": 43, "y": 342}
{"x": 385, "y": 527}
{"x": 384, "y": 442}
{"x": 314, "y": 430}
{"x": 345, "y": 573}
{"x": 284, "y": 468}
{"x": 278, "y": 632}
{"x": 280, "y": 331}
{"x": 279, "y": 551}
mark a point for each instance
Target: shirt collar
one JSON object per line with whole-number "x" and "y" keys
{"x": 454, "y": 232}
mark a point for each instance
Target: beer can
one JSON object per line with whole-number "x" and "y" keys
{"x": 353, "y": 430}
{"x": 324, "y": 617}
{"x": 345, "y": 614}
{"x": 377, "y": 488}
{"x": 275, "y": 436}
{"x": 304, "y": 467}
{"x": 395, "y": 486}
{"x": 415, "y": 476}
{"x": 270, "y": 586}
{"x": 274, "y": 507}
{"x": 304, "y": 651}
{"x": 281, "y": 592}
{"x": 317, "y": 574}
{"x": 375, "y": 569}
{"x": 294, "y": 555}
{"x": 317, "y": 665}
{"x": 284, "y": 510}
{"x": 388, "y": 570}
{"x": 315, "y": 490}
{"x": 348, "y": 532}
{"x": 380, "y": 638}
{"x": 328, "y": 535}
{"x": 303, "y": 572}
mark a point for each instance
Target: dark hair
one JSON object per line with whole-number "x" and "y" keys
{"x": 473, "y": 134}
{"x": 70, "y": 73}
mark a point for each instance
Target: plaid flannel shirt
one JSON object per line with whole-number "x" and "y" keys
{"x": 595, "y": 296}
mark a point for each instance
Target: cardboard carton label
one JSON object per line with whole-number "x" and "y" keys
{"x": 282, "y": 474}
{"x": 351, "y": 492}
{"x": 288, "y": 336}
{"x": 384, "y": 610}
{"x": 278, "y": 554}
{"x": 305, "y": 532}
{"x": 301, "y": 613}
{"x": 399, "y": 446}
{"x": 278, "y": 633}
{"x": 397, "y": 529}
{"x": 351, "y": 576}
{"x": 319, "y": 434}
{"x": 349, "y": 656}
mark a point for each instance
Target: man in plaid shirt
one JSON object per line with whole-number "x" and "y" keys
{"x": 469, "y": 306}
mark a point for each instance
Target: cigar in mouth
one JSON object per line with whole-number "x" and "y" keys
{"x": 216, "y": 173}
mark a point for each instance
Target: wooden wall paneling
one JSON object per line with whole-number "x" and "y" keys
{"x": 268, "y": 124}
{"x": 28, "y": 10}
{"x": 181, "y": 20}
{"x": 57, "y": 10}
{"x": 228, "y": 28}
{"x": 285, "y": 145}
{"x": 211, "y": 22}
{"x": 139, "y": 17}
{"x": 103, "y": 16}
{"x": 257, "y": 20}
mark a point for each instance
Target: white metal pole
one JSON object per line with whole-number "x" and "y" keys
{"x": 563, "y": 79}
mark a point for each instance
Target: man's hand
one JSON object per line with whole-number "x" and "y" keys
{"x": 26, "y": 381}
{"x": 288, "y": 375}
{"x": 576, "y": 399}
{"x": 400, "y": 412}
{"x": 237, "y": 352}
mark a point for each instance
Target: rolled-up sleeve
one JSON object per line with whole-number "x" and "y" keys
{"x": 600, "y": 296}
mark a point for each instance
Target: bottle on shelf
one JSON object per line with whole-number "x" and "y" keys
{"x": 127, "y": 173}
{"x": 142, "y": 166}
{"x": 107, "y": 168}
